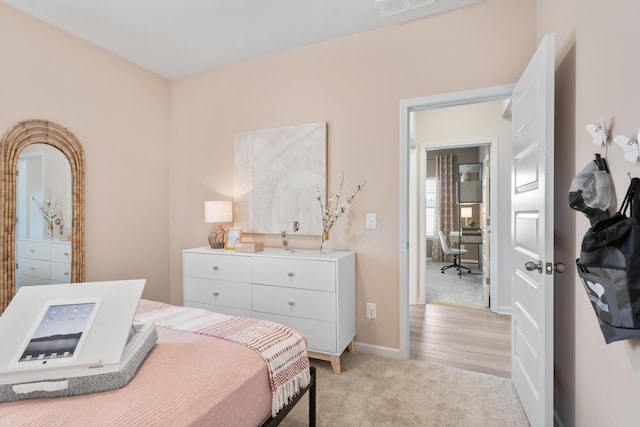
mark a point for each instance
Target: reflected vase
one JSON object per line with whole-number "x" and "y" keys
{"x": 284, "y": 234}
{"x": 325, "y": 246}
{"x": 50, "y": 231}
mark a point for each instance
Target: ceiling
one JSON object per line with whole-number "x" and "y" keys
{"x": 177, "y": 38}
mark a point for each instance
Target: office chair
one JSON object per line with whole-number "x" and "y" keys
{"x": 455, "y": 253}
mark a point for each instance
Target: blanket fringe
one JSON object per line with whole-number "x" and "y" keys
{"x": 287, "y": 391}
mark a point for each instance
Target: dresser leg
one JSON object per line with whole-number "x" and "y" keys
{"x": 335, "y": 360}
{"x": 335, "y": 364}
{"x": 352, "y": 346}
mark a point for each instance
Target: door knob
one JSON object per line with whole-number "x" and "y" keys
{"x": 559, "y": 267}
{"x": 530, "y": 266}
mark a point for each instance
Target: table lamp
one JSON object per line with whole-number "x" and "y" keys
{"x": 218, "y": 212}
{"x": 466, "y": 213}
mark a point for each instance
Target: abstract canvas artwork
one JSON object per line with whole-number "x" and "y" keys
{"x": 277, "y": 176}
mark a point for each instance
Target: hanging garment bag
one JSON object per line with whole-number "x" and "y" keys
{"x": 590, "y": 191}
{"x": 609, "y": 267}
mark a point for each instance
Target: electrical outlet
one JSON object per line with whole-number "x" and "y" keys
{"x": 371, "y": 310}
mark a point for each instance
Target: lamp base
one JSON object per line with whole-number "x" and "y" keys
{"x": 217, "y": 237}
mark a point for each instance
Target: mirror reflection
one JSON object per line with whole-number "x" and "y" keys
{"x": 14, "y": 142}
{"x": 43, "y": 216}
{"x": 470, "y": 182}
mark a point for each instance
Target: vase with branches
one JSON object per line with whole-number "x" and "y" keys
{"x": 49, "y": 212}
{"x": 334, "y": 208}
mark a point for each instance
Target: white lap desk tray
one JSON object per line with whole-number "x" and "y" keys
{"x": 108, "y": 353}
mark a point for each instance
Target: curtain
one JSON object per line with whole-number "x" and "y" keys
{"x": 445, "y": 203}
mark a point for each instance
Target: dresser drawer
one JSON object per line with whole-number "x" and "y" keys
{"x": 321, "y": 336}
{"x": 34, "y": 267}
{"x": 33, "y": 249}
{"x": 60, "y": 272}
{"x": 218, "y": 292}
{"x": 26, "y": 280}
{"x": 294, "y": 273}
{"x": 303, "y": 303}
{"x": 220, "y": 267}
{"x": 60, "y": 252}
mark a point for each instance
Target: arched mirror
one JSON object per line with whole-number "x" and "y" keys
{"x": 52, "y": 191}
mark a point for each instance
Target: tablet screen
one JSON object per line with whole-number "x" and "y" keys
{"x": 59, "y": 332}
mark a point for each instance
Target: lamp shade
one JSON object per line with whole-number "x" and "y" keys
{"x": 466, "y": 212}
{"x": 218, "y": 211}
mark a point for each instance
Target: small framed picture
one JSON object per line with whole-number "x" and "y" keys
{"x": 233, "y": 238}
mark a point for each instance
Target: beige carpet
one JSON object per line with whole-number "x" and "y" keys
{"x": 376, "y": 391}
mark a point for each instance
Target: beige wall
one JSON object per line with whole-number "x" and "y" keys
{"x": 596, "y": 384}
{"x": 120, "y": 114}
{"x": 355, "y": 84}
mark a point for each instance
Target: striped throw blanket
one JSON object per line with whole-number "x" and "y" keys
{"x": 283, "y": 349}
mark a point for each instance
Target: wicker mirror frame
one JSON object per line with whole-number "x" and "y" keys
{"x": 14, "y": 141}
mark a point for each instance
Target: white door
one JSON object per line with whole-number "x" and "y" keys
{"x": 532, "y": 236}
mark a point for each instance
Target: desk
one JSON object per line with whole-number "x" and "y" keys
{"x": 469, "y": 237}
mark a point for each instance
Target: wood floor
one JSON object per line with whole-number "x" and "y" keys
{"x": 471, "y": 339}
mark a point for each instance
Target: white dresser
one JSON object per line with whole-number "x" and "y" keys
{"x": 311, "y": 292}
{"x": 42, "y": 262}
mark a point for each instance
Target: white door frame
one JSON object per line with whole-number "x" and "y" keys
{"x": 406, "y": 106}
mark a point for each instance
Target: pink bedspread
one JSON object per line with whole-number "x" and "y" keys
{"x": 185, "y": 381}
{"x": 283, "y": 349}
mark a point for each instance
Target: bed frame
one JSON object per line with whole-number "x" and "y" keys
{"x": 274, "y": 421}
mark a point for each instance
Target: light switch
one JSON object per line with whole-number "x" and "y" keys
{"x": 371, "y": 221}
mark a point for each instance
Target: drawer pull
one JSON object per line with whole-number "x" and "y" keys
{"x": 66, "y": 254}
{"x": 33, "y": 251}
{"x": 290, "y": 274}
{"x": 291, "y": 302}
{"x": 33, "y": 269}
{"x": 216, "y": 293}
{"x": 215, "y": 267}
{"x": 66, "y": 273}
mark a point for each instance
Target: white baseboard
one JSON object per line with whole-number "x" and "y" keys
{"x": 378, "y": 350}
{"x": 502, "y": 310}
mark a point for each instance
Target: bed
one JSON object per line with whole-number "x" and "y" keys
{"x": 204, "y": 370}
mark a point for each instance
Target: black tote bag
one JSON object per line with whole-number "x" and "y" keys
{"x": 609, "y": 267}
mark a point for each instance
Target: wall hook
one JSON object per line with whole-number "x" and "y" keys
{"x": 600, "y": 133}
{"x": 629, "y": 147}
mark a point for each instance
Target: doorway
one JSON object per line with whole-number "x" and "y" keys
{"x": 468, "y": 136}
{"x": 411, "y": 257}
{"x": 457, "y": 216}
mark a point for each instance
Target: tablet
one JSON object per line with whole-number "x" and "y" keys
{"x": 70, "y": 325}
{"x": 58, "y": 334}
